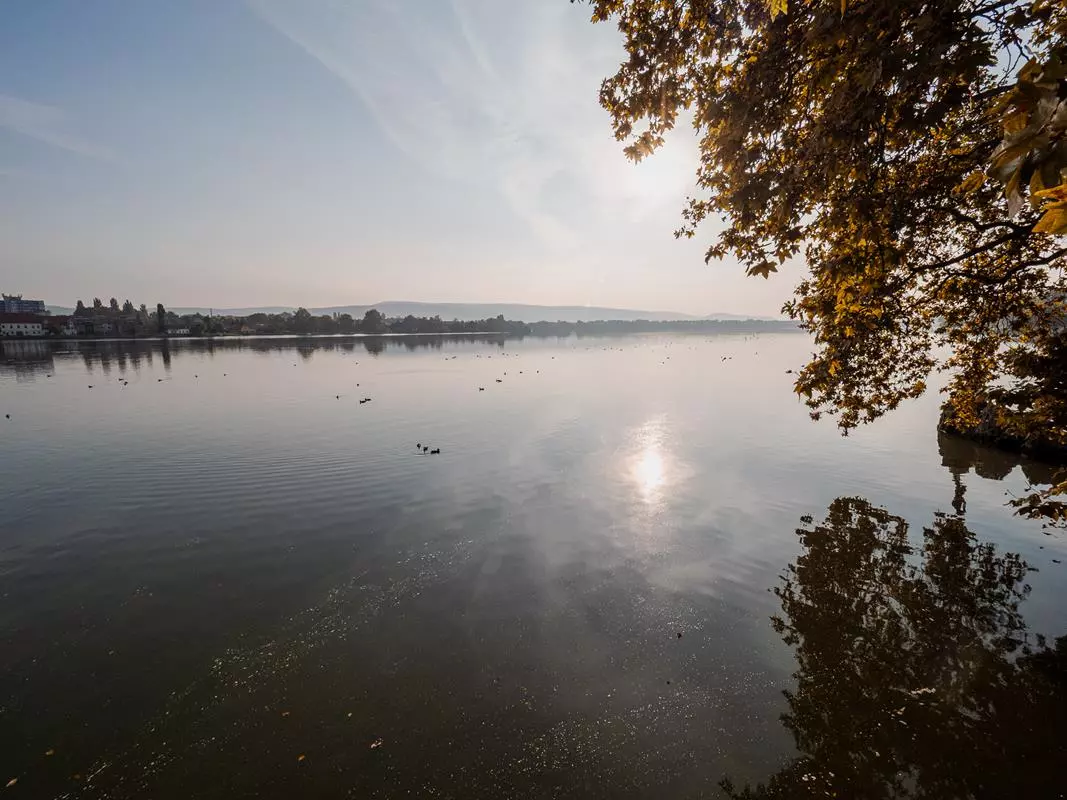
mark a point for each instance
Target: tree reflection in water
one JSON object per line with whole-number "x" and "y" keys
{"x": 917, "y": 677}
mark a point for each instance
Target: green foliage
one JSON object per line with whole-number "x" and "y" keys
{"x": 302, "y": 321}
{"x": 374, "y": 322}
{"x": 911, "y": 152}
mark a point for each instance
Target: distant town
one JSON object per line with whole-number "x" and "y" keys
{"x": 22, "y": 318}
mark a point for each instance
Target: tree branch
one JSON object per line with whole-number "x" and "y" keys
{"x": 1017, "y": 233}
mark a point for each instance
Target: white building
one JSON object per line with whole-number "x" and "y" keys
{"x": 20, "y": 325}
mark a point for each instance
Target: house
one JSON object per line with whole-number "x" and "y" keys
{"x": 59, "y": 325}
{"x": 92, "y": 326}
{"x": 20, "y": 325}
{"x": 14, "y": 304}
{"x": 177, "y": 331}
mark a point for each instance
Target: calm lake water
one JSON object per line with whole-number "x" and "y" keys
{"x": 635, "y": 569}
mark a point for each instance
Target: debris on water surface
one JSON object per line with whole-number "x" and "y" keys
{"x": 50, "y": 751}
{"x": 375, "y": 744}
{"x": 11, "y": 783}
{"x": 285, "y": 713}
{"x": 301, "y": 757}
{"x": 679, "y": 634}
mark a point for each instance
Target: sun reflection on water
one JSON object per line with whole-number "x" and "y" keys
{"x": 649, "y": 471}
{"x": 650, "y": 465}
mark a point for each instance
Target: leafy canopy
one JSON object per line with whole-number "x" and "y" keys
{"x": 911, "y": 151}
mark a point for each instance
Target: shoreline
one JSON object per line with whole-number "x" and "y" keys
{"x": 389, "y": 335}
{"x": 230, "y": 336}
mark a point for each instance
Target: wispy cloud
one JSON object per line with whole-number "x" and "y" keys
{"x": 489, "y": 93}
{"x": 46, "y": 124}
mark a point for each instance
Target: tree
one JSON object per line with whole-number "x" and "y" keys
{"x": 302, "y": 322}
{"x": 916, "y": 675}
{"x": 127, "y": 307}
{"x": 80, "y": 310}
{"x": 325, "y": 323}
{"x": 912, "y": 152}
{"x": 161, "y": 318}
{"x": 98, "y": 304}
{"x": 373, "y": 322}
{"x": 114, "y": 306}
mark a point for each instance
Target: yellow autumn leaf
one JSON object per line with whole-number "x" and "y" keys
{"x": 779, "y": 7}
{"x": 1055, "y": 194}
{"x": 1037, "y": 182}
{"x": 1016, "y": 121}
{"x": 1036, "y": 187}
{"x": 971, "y": 183}
{"x": 1053, "y": 221}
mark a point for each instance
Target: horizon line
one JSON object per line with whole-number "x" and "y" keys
{"x": 294, "y": 306}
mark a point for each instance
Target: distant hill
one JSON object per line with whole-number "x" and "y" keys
{"x": 513, "y": 311}
{"x": 723, "y": 315}
{"x": 233, "y": 312}
{"x": 467, "y": 311}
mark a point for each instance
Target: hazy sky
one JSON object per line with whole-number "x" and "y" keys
{"x": 322, "y": 152}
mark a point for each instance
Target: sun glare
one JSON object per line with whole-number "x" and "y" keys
{"x": 649, "y": 471}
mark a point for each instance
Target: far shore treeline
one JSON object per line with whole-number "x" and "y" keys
{"x": 126, "y": 320}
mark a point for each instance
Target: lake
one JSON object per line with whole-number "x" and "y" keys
{"x": 636, "y": 568}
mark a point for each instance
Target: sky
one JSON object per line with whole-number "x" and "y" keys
{"x": 237, "y": 153}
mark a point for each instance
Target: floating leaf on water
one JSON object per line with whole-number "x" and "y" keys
{"x": 11, "y": 783}
{"x": 301, "y": 757}
{"x": 375, "y": 744}
{"x": 50, "y": 752}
